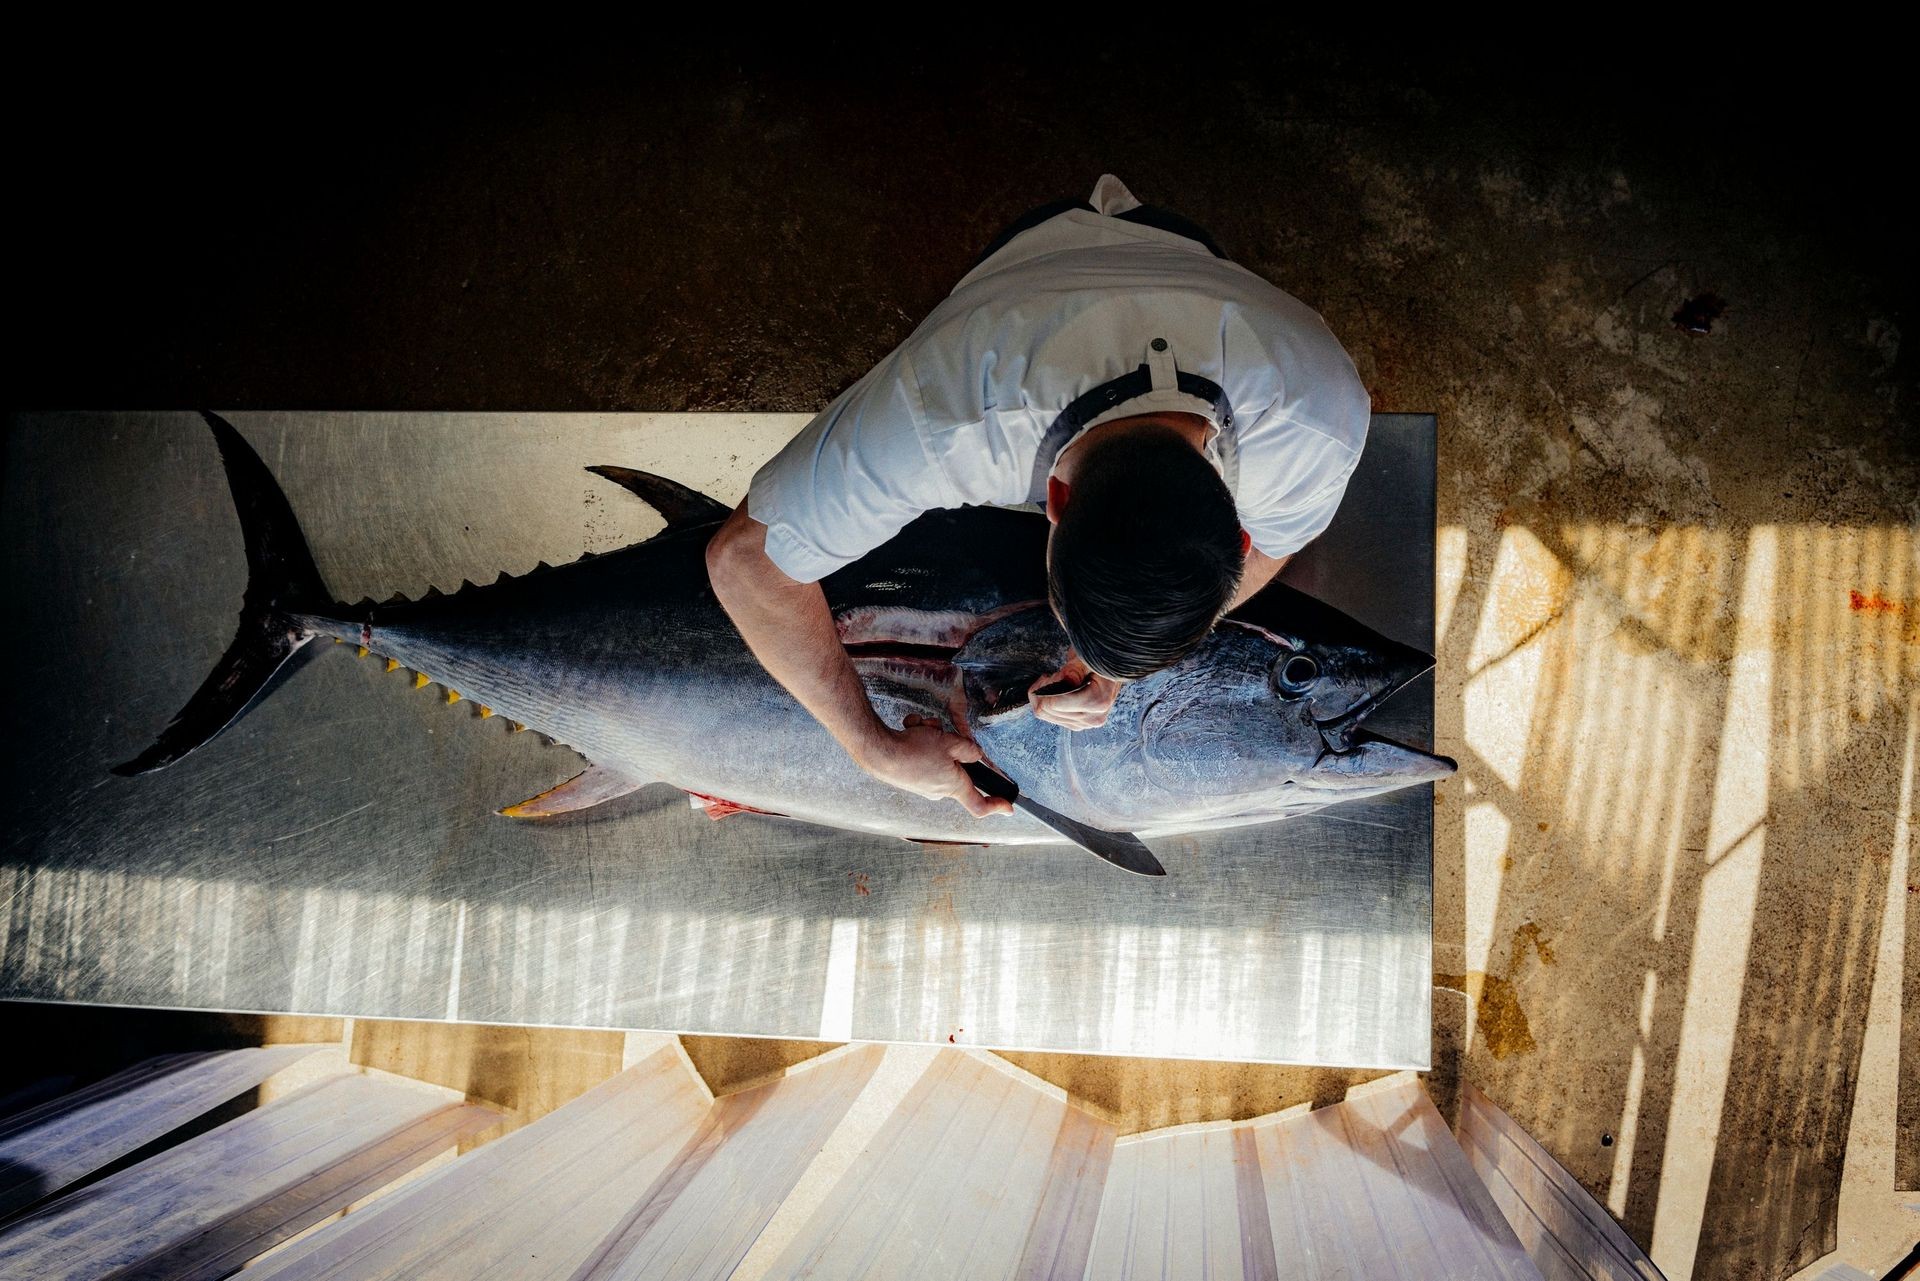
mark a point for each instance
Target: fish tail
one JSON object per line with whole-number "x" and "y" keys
{"x": 282, "y": 585}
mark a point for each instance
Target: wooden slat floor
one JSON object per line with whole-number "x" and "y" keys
{"x": 1568, "y": 1234}
{"x": 206, "y": 1206}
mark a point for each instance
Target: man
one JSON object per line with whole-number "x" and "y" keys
{"x": 1187, "y": 425}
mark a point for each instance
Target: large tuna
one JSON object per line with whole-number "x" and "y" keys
{"x": 628, "y": 659}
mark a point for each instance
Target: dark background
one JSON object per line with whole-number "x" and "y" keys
{"x": 620, "y": 221}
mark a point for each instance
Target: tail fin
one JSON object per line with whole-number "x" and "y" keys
{"x": 281, "y": 582}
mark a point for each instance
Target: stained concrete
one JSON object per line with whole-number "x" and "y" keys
{"x": 1678, "y": 574}
{"x": 730, "y": 1064}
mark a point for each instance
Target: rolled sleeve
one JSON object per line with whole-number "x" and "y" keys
{"x": 1283, "y": 531}
{"x": 851, "y": 479}
{"x": 1297, "y": 457}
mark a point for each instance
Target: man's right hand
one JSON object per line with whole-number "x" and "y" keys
{"x": 790, "y": 630}
{"x": 924, "y": 759}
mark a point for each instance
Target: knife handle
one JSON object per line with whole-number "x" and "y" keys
{"x": 992, "y": 781}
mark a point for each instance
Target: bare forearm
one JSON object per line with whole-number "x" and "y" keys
{"x": 790, "y": 630}
{"x": 1260, "y": 570}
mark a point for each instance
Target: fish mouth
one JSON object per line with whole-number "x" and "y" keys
{"x": 1401, "y": 666}
{"x": 1374, "y": 762}
{"x": 1354, "y": 738}
{"x": 1338, "y": 732}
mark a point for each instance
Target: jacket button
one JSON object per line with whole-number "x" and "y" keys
{"x": 1159, "y": 344}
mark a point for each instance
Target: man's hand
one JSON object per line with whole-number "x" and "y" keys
{"x": 924, "y": 759}
{"x": 790, "y": 630}
{"x": 1085, "y": 704}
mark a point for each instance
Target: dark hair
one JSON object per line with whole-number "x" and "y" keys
{"x": 1146, "y": 555}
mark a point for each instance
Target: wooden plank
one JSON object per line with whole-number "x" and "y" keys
{"x": 1581, "y": 1225}
{"x": 1257, "y": 1257}
{"x": 1140, "y": 1221}
{"x": 1176, "y": 1212}
{"x": 1061, "y": 1234}
{"x": 1548, "y": 1255}
{"x": 953, "y": 1219}
{"x": 226, "y": 1195}
{"x": 1348, "y": 1206}
{"x": 953, "y": 1184}
{"x": 1408, "y": 1128}
{"x": 1403, "y": 1231}
{"x": 1220, "y": 1183}
{"x": 224, "y": 1248}
{"x": 119, "y": 1083}
{"x": 1363, "y": 1189}
{"x": 1113, "y": 1233}
{"x": 1426, "y": 1198}
{"x": 1014, "y": 1156}
{"x": 1308, "y": 1239}
{"x": 1466, "y": 1189}
{"x": 531, "y": 1205}
{"x": 64, "y": 1140}
{"x": 883, "y": 1175}
{"x": 702, "y": 1216}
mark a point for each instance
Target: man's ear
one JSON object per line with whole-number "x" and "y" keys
{"x": 1246, "y": 544}
{"x": 1057, "y": 492}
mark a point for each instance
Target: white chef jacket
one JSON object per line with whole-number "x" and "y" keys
{"x": 1083, "y": 318}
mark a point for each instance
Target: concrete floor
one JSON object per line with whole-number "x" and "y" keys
{"x": 1679, "y": 590}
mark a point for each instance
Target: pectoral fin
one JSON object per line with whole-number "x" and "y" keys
{"x": 590, "y": 787}
{"x": 716, "y": 808}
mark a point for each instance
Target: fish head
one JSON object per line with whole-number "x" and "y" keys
{"x": 1260, "y": 710}
{"x": 1262, "y": 719}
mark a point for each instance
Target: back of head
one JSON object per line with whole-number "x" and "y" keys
{"x": 1146, "y": 555}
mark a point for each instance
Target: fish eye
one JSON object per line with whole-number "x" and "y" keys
{"x": 1295, "y": 675}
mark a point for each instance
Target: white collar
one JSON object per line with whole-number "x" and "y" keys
{"x": 1163, "y": 397}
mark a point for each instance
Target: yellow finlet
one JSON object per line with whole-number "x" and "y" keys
{"x": 360, "y": 651}
{"x": 485, "y": 712}
{"x": 420, "y": 680}
{"x": 339, "y": 640}
{"x": 393, "y": 664}
{"x": 517, "y": 726}
{"x": 453, "y": 696}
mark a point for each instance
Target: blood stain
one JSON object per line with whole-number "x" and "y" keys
{"x": 1874, "y": 604}
{"x": 860, "y": 883}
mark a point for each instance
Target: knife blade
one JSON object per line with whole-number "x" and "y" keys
{"x": 1122, "y": 849}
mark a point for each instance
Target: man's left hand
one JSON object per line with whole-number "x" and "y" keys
{"x": 1085, "y": 704}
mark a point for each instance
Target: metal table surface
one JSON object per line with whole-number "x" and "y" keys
{"x": 337, "y": 851}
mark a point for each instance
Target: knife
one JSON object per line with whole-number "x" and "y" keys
{"x": 1122, "y": 849}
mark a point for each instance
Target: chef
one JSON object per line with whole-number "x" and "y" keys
{"x": 1186, "y": 426}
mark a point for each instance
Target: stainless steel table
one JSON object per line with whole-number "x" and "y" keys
{"x": 337, "y": 851}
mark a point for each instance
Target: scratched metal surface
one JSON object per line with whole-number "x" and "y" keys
{"x": 336, "y": 852}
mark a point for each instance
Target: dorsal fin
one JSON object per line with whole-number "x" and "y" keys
{"x": 681, "y": 506}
